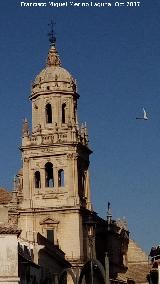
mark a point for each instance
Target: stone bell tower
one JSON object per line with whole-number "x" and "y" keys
{"x": 54, "y": 190}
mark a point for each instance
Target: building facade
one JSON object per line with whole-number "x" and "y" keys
{"x": 51, "y": 197}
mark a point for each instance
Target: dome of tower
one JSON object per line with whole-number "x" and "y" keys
{"x": 53, "y": 74}
{"x": 53, "y": 77}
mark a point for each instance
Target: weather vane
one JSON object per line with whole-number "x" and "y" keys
{"x": 51, "y": 34}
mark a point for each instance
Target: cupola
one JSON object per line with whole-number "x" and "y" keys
{"x": 53, "y": 78}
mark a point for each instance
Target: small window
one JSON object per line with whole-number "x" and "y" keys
{"x": 61, "y": 178}
{"x": 48, "y": 113}
{"x": 49, "y": 175}
{"x": 37, "y": 178}
{"x": 50, "y": 235}
{"x": 63, "y": 113}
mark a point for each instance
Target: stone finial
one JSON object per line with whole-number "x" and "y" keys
{"x": 13, "y": 202}
{"x": 53, "y": 57}
{"x": 25, "y": 128}
{"x": 14, "y": 183}
{"x": 109, "y": 213}
{"x": 73, "y": 85}
{"x": 82, "y": 129}
{"x": 85, "y": 129}
{"x": 86, "y": 132}
{"x": 122, "y": 223}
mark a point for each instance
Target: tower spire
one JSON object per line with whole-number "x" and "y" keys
{"x": 53, "y": 57}
{"x": 51, "y": 34}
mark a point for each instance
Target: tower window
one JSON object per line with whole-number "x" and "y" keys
{"x": 63, "y": 113}
{"x": 37, "y": 178}
{"x": 48, "y": 113}
{"x": 81, "y": 181}
{"x": 49, "y": 175}
{"x": 61, "y": 178}
{"x": 50, "y": 235}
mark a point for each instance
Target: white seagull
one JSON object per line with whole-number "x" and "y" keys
{"x": 145, "y": 117}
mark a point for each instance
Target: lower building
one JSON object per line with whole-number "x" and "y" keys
{"x": 138, "y": 265}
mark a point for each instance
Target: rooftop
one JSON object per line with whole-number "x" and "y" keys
{"x": 5, "y": 196}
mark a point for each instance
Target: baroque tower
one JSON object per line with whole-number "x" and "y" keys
{"x": 53, "y": 188}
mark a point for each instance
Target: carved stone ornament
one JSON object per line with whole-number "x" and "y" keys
{"x": 73, "y": 85}
{"x": 71, "y": 156}
{"x": 13, "y": 220}
{"x": 53, "y": 57}
{"x": 49, "y": 221}
{"x": 66, "y": 101}
{"x": 37, "y": 128}
{"x": 75, "y": 156}
{"x": 35, "y": 106}
{"x": 47, "y": 150}
{"x": 26, "y": 160}
{"x": 25, "y": 128}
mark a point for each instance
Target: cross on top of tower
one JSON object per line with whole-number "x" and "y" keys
{"x": 53, "y": 57}
{"x": 51, "y": 34}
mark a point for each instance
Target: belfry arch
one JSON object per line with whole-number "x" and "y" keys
{"x": 49, "y": 178}
{"x": 49, "y": 115}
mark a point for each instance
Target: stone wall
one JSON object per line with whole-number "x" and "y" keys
{"x": 9, "y": 259}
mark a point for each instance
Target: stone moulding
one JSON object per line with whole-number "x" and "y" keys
{"x": 49, "y": 221}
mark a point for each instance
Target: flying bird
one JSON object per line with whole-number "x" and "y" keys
{"x": 145, "y": 117}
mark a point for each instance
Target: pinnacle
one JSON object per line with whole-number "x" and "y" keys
{"x": 53, "y": 57}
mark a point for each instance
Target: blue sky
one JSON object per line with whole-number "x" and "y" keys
{"x": 114, "y": 53}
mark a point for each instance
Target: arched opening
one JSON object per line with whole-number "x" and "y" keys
{"x": 93, "y": 269}
{"x": 48, "y": 113}
{"x": 63, "y": 113}
{"x": 49, "y": 175}
{"x": 81, "y": 181}
{"x": 67, "y": 276}
{"x": 61, "y": 178}
{"x": 37, "y": 179}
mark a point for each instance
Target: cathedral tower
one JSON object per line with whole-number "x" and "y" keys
{"x": 53, "y": 186}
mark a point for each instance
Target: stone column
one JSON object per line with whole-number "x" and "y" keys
{"x": 69, "y": 175}
{"x": 26, "y": 192}
{"x": 75, "y": 177}
{"x": 43, "y": 179}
